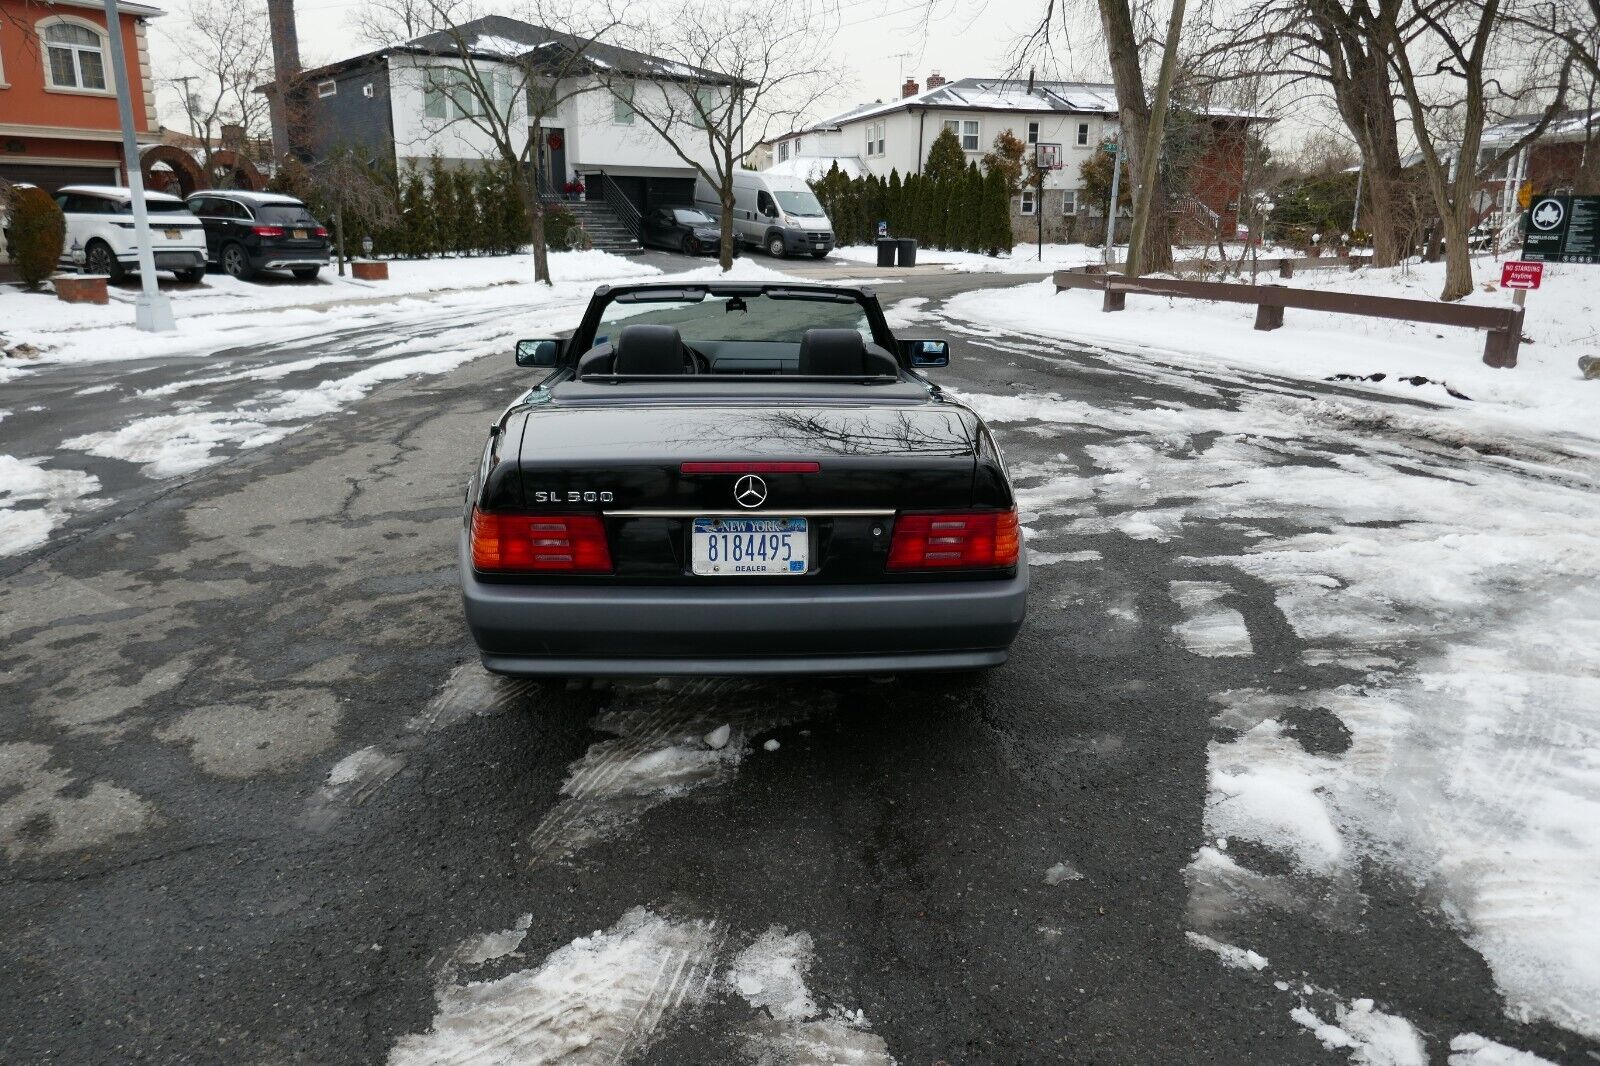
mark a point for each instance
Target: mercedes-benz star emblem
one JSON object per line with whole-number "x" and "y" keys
{"x": 750, "y": 491}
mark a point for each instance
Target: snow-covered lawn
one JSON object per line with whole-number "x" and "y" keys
{"x": 1544, "y": 393}
{"x": 225, "y": 312}
{"x": 1025, "y": 258}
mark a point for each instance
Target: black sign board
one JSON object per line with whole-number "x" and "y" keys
{"x": 1563, "y": 229}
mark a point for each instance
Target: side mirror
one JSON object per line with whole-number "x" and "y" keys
{"x": 927, "y": 353}
{"x": 538, "y": 353}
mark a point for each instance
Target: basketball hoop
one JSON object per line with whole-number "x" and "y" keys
{"x": 1047, "y": 156}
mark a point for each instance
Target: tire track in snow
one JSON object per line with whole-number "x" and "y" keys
{"x": 666, "y": 739}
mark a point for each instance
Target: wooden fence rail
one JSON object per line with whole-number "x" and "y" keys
{"x": 1285, "y": 267}
{"x": 1503, "y": 325}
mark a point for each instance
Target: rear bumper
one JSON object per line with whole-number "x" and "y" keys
{"x": 283, "y": 260}
{"x": 534, "y": 630}
{"x": 182, "y": 259}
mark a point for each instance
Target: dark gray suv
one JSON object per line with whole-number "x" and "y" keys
{"x": 248, "y": 232}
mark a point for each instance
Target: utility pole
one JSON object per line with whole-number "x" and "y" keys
{"x": 188, "y": 102}
{"x": 152, "y": 309}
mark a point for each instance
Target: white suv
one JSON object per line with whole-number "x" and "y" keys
{"x": 101, "y": 237}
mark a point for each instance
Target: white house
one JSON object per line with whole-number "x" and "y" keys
{"x": 405, "y": 104}
{"x": 1077, "y": 117}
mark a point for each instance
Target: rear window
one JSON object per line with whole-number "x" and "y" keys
{"x": 285, "y": 215}
{"x": 739, "y": 318}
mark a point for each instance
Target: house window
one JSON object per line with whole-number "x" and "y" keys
{"x": 1033, "y": 133}
{"x": 542, "y": 98}
{"x": 875, "y": 138}
{"x": 366, "y": 90}
{"x": 327, "y": 88}
{"x": 1069, "y": 202}
{"x": 1083, "y": 133}
{"x": 1027, "y": 201}
{"x": 622, "y": 105}
{"x": 74, "y": 56}
{"x": 783, "y": 151}
{"x": 705, "y": 102}
{"x": 449, "y": 94}
{"x": 966, "y": 130}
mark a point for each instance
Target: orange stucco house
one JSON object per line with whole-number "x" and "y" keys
{"x": 58, "y": 109}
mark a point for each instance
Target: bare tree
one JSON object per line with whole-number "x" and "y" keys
{"x": 354, "y": 193}
{"x": 724, "y": 76}
{"x": 497, "y": 81}
{"x": 226, "y": 49}
{"x": 1450, "y": 105}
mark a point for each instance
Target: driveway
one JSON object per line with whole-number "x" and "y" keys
{"x": 259, "y": 803}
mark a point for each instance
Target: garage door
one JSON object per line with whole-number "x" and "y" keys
{"x": 51, "y": 178}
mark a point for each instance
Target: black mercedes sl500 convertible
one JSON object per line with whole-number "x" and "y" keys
{"x": 739, "y": 478}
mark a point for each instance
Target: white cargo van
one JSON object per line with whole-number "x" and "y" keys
{"x": 771, "y": 211}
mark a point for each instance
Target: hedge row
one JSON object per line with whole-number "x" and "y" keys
{"x": 438, "y": 210}
{"x": 968, "y": 213}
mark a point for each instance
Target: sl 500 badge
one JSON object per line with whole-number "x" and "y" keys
{"x": 572, "y": 496}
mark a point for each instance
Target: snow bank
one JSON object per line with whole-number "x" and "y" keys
{"x": 1464, "y": 592}
{"x": 225, "y": 312}
{"x": 49, "y": 496}
{"x": 1544, "y": 394}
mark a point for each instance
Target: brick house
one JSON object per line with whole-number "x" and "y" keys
{"x": 58, "y": 107}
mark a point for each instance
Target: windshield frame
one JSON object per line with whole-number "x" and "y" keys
{"x": 582, "y": 339}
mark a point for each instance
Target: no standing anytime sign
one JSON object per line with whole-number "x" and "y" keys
{"x": 1515, "y": 274}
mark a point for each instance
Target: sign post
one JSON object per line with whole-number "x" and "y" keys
{"x": 1116, "y": 181}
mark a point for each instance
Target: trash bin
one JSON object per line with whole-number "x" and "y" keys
{"x": 886, "y": 251}
{"x": 908, "y": 252}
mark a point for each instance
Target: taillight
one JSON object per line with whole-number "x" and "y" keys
{"x": 539, "y": 543}
{"x": 321, "y": 231}
{"x": 267, "y": 231}
{"x": 959, "y": 540}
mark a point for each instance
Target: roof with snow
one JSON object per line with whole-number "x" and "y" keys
{"x": 1571, "y": 125}
{"x": 814, "y": 168}
{"x": 497, "y": 37}
{"x": 1008, "y": 95}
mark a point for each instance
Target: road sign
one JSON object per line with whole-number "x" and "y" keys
{"x": 1516, "y": 274}
{"x": 1563, "y": 229}
{"x": 1109, "y": 146}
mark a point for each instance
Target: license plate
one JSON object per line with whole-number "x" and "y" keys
{"x": 174, "y": 234}
{"x": 741, "y": 547}
{"x": 299, "y": 234}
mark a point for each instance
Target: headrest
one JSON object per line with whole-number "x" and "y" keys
{"x": 833, "y": 351}
{"x": 648, "y": 350}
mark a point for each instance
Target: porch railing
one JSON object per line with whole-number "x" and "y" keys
{"x": 621, "y": 206}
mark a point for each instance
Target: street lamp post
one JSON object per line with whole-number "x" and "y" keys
{"x": 152, "y": 309}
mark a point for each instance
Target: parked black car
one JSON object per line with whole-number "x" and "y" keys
{"x": 739, "y": 478}
{"x": 248, "y": 232}
{"x": 682, "y": 229}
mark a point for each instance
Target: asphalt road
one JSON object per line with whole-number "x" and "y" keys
{"x": 255, "y": 790}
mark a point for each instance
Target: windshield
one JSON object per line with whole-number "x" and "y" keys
{"x": 693, "y": 218}
{"x": 738, "y": 318}
{"x": 799, "y": 203}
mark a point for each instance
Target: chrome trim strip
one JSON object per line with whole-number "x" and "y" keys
{"x": 837, "y": 512}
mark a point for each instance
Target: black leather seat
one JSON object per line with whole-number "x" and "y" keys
{"x": 842, "y": 352}
{"x": 650, "y": 350}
